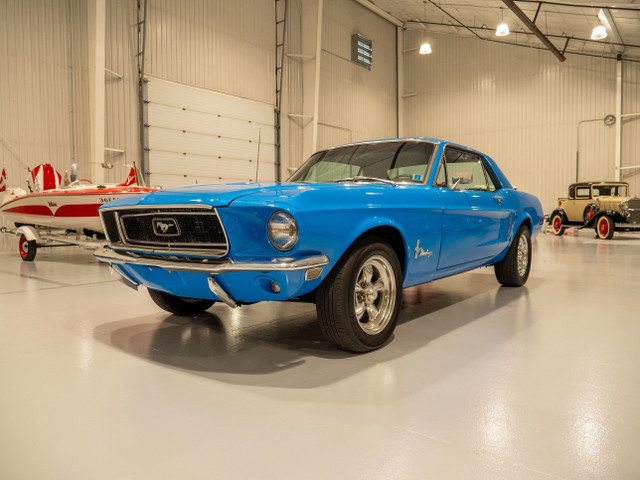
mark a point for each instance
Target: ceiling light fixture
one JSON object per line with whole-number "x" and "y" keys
{"x": 599, "y": 33}
{"x": 503, "y": 28}
{"x": 425, "y": 49}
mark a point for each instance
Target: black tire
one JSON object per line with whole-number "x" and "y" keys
{"x": 605, "y": 227}
{"x": 27, "y": 248}
{"x": 366, "y": 282}
{"x": 180, "y": 305}
{"x": 512, "y": 271}
{"x": 556, "y": 224}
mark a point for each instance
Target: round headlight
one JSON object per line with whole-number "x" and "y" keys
{"x": 624, "y": 205}
{"x": 283, "y": 231}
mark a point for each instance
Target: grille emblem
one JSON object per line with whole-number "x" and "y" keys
{"x": 165, "y": 227}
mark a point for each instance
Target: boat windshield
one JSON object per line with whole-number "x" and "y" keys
{"x": 401, "y": 162}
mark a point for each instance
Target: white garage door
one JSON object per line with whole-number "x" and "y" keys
{"x": 197, "y": 136}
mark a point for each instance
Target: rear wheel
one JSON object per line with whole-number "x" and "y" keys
{"x": 556, "y": 224}
{"x": 513, "y": 270}
{"x": 27, "y": 248}
{"x": 605, "y": 227}
{"x": 180, "y": 305}
{"x": 359, "y": 302}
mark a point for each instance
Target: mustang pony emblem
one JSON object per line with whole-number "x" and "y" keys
{"x": 420, "y": 252}
{"x": 165, "y": 227}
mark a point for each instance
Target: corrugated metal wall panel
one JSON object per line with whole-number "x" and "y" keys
{"x": 631, "y": 126}
{"x": 356, "y": 103}
{"x": 292, "y": 126}
{"x": 522, "y": 107}
{"x": 121, "y": 95}
{"x": 35, "y": 99}
{"x": 214, "y": 44}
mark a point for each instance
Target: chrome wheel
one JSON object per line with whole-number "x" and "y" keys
{"x": 523, "y": 255}
{"x": 374, "y": 294}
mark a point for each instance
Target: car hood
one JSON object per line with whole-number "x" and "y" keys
{"x": 220, "y": 195}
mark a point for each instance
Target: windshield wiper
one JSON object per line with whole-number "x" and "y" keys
{"x": 359, "y": 178}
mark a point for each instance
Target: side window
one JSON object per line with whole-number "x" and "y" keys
{"x": 441, "y": 177}
{"x": 583, "y": 192}
{"x": 572, "y": 192}
{"x": 466, "y": 171}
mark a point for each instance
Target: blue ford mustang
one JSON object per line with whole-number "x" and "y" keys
{"x": 350, "y": 229}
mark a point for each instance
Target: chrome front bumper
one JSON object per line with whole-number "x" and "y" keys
{"x": 212, "y": 266}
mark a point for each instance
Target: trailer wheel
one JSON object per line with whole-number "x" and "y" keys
{"x": 28, "y": 248}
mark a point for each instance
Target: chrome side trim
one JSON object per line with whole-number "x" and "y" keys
{"x": 289, "y": 264}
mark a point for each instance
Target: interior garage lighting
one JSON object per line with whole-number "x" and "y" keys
{"x": 502, "y": 30}
{"x": 425, "y": 49}
{"x": 599, "y": 33}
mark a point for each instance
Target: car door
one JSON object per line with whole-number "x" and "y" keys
{"x": 475, "y": 222}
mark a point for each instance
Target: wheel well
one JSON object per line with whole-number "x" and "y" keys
{"x": 526, "y": 222}
{"x": 391, "y": 235}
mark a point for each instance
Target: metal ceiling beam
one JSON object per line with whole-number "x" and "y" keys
{"x": 532, "y": 26}
{"x": 488, "y": 29}
{"x": 614, "y": 30}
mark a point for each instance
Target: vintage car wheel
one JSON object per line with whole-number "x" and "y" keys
{"x": 589, "y": 213}
{"x": 556, "y": 224}
{"x": 513, "y": 270}
{"x": 180, "y": 305}
{"x": 27, "y": 248}
{"x": 359, "y": 301}
{"x": 605, "y": 227}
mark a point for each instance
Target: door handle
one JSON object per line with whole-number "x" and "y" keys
{"x": 498, "y": 199}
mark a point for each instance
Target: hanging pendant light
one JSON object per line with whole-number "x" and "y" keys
{"x": 599, "y": 33}
{"x": 503, "y": 28}
{"x": 425, "y": 48}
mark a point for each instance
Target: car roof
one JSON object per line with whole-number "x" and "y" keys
{"x": 405, "y": 139}
{"x": 588, "y": 184}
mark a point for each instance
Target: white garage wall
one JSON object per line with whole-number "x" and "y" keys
{"x": 35, "y": 99}
{"x": 217, "y": 45}
{"x": 631, "y": 125}
{"x": 521, "y": 107}
{"x": 356, "y": 103}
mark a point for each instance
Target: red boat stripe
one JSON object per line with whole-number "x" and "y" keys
{"x": 41, "y": 210}
{"x": 83, "y": 210}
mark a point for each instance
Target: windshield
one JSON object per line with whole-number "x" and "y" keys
{"x": 395, "y": 161}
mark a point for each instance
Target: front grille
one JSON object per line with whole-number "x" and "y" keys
{"x": 111, "y": 226}
{"x": 165, "y": 228}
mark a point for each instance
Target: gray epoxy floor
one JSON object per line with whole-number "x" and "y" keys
{"x": 479, "y": 381}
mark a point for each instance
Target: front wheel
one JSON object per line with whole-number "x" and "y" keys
{"x": 513, "y": 270}
{"x": 27, "y": 248}
{"x": 605, "y": 227}
{"x": 180, "y": 305}
{"x": 359, "y": 302}
{"x": 556, "y": 224}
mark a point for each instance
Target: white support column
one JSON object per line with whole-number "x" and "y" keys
{"x": 311, "y": 50}
{"x": 400, "y": 81}
{"x": 316, "y": 83}
{"x": 618, "y": 118}
{"x": 96, "y": 11}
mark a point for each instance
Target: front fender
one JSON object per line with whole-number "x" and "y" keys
{"x": 617, "y": 217}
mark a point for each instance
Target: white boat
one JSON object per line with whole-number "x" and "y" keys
{"x": 74, "y": 207}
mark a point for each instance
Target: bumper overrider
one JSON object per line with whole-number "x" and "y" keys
{"x": 220, "y": 279}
